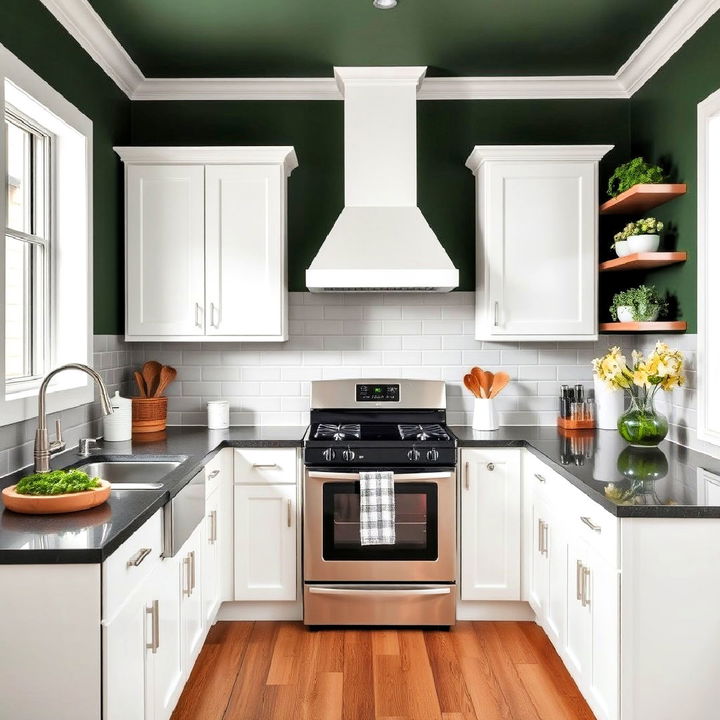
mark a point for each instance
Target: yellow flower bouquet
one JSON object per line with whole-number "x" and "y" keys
{"x": 641, "y": 424}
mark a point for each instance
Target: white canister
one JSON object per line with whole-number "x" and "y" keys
{"x": 218, "y": 414}
{"x": 609, "y": 405}
{"x": 484, "y": 415}
{"x": 117, "y": 427}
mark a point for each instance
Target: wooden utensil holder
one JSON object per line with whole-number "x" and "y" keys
{"x": 149, "y": 415}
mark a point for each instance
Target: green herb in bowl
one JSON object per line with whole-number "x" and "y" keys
{"x": 56, "y": 482}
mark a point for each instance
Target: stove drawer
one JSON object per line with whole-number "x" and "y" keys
{"x": 428, "y": 605}
{"x": 265, "y": 466}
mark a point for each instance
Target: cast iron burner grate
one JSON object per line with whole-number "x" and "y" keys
{"x": 327, "y": 431}
{"x": 423, "y": 432}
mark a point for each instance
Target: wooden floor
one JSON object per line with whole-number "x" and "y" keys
{"x": 477, "y": 671}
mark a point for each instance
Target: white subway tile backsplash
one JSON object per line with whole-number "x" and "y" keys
{"x": 401, "y": 327}
{"x": 421, "y": 342}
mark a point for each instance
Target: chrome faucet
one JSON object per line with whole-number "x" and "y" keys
{"x": 44, "y": 449}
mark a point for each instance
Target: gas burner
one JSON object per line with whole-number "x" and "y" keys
{"x": 348, "y": 431}
{"x": 423, "y": 432}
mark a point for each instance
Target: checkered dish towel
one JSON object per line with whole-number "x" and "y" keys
{"x": 377, "y": 508}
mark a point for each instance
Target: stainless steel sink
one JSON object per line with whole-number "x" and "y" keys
{"x": 131, "y": 475}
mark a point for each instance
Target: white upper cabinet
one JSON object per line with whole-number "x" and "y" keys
{"x": 165, "y": 253}
{"x": 537, "y": 211}
{"x": 245, "y": 270}
{"x": 206, "y": 243}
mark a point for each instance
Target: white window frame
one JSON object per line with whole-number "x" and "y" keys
{"x": 70, "y": 263}
{"x": 708, "y": 262}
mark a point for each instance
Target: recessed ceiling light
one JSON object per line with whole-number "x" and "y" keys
{"x": 384, "y": 4}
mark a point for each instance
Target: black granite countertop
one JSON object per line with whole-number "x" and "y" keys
{"x": 660, "y": 482}
{"x": 93, "y": 535}
{"x": 629, "y": 482}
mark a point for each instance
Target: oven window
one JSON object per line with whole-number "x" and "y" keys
{"x": 416, "y": 518}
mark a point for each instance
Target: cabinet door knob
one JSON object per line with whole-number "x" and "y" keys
{"x": 467, "y": 475}
{"x": 491, "y": 466}
{"x": 289, "y": 512}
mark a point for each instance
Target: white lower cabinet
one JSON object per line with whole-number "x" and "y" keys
{"x": 212, "y": 559}
{"x": 191, "y": 604}
{"x": 490, "y": 524}
{"x": 574, "y": 582}
{"x": 265, "y": 542}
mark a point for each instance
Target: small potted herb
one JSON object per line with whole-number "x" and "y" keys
{"x": 640, "y": 236}
{"x": 632, "y": 173}
{"x": 640, "y": 304}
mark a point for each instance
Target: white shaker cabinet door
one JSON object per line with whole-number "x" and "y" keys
{"x": 265, "y": 542}
{"x": 165, "y": 250}
{"x": 540, "y": 237}
{"x": 491, "y": 527}
{"x": 245, "y": 242}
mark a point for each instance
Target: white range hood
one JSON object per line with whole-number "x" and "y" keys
{"x": 381, "y": 241}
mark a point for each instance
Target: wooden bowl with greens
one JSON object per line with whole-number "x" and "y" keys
{"x": 57, "y": 491}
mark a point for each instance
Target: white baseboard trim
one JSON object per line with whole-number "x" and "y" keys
{"x": 248, "y": 611}
{"x": 500, "y": 611}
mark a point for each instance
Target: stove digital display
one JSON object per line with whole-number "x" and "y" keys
{"x": 377, "y": 393}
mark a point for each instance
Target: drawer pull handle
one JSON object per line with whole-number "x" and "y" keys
{"x": 289, "y": 509}
{"x": 138, "y": 557}
{"x": 546, "y": 527}
{"x": 154, "y": 612}
{"x": 198, "y": 315}
{"x": 213, "y": 527}
{"x": 540, "y": 477}
{"x": 590, "y": 524}
{"x": 578, "y": 580}
{"x": 585, "y": 587}
{"x": 192, "y": 571}
{"x": 271, "y": 466}
{"x": 491, "y": 466}
{"x": 467, "y": 475}
{"x": 187, "y": 590}
{"x": 213, "y": 474}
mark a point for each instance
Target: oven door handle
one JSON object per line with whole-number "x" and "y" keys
{"x": 399, "y": 477}
{"x": 378, "y": 593}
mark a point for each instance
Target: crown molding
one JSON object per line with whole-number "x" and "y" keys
{"x": 682, "y": 21}
{"x": 679, "y": 24}
{"x": 580, "y": 153}
{"x": 88, "y": 28}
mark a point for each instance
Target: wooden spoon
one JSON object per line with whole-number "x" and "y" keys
{"x": 140, "y": 383}
{"x": 487, "y": 382}
{"x": 500, "y": 380}
{"x": 477, "y": 373}
{"x": 472, "y": 385}
{"x": 167, "y": 375}
{"x": 151, "y": 375}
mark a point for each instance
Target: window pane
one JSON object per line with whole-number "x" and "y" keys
{"x": 18, "y": 293}
{"x": 18, "y": 180}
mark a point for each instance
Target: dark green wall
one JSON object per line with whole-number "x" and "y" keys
{"x": 447, "y": 132}
{"x": 29, "y": 31}
{"x": 664, "y": 129}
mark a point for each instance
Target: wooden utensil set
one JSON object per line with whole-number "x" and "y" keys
{"x": 484, "y": 384}
{"x": 154, "y": 378}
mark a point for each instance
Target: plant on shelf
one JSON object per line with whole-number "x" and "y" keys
{"x": 640, "y": 304}
{"x": 640, "y": 236}
{"x": 633, "y": 173}
{"x": 641, "y": 424}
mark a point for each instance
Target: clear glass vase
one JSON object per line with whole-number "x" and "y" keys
{"x": 641, "y": 424}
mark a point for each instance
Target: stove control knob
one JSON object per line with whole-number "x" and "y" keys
{"x": 329, "y": 454}
{"x": 433, "y": 455}
{"x": 348, "y": 455}
{"x": 413, "y": 455}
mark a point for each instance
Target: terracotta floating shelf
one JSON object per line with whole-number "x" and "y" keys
{"x": 644, "y": 261}
{"x": 642, "y": 197}
{"x": 660, "y": 326}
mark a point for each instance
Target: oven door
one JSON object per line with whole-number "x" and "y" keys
{"x": 424, "y": 550}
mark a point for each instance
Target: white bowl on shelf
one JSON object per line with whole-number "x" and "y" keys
{"x": 643, "y": 243}
{"x": 622, "y": 248}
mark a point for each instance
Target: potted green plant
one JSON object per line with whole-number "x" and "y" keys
{"x": 640, "y": 236}
{"x": 632, "y": 173}
{"x": 640, "y": 304}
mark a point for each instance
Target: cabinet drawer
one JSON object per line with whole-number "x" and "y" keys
{"x": 595, "y": 525}
{"x": 265, "y": 467}
{"x": 214, "y": 473}
{"x": 130, "y": 564}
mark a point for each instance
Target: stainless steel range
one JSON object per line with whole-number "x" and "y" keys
{"x": 395, "y": 425}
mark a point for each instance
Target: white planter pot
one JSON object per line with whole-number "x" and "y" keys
{"x": 643, "y": 243}
{"x": 626, "y": 314}
{"x": 484, "y": 415}
{"x": 609, "y": 405}
{"x": 622, "y": 248}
